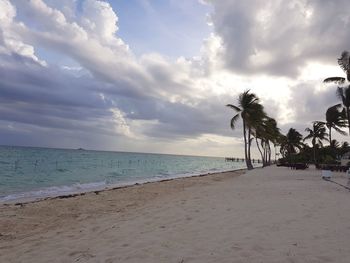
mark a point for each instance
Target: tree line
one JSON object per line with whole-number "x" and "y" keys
{"x": 261, "y": 129}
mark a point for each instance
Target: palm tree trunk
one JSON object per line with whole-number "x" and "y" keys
{"x": 274, "y": 146}
{"x": 348, "y": 115}
{"x": 262, "y": 156}
{"x": 290, "y": 154}
{"x": 262, "y": 146}
{"x": 330, "y": 135}
{"x": 269, "y": 150}
{"x": 245, "y": 144}
{"x": 266, "y": 152}
{"x": 249, "y": 144}
{"x": 314, "y": 148}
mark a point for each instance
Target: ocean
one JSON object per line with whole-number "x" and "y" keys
{"x": 28, "y": 173}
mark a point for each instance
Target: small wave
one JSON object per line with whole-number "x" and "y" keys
{"x": 54, "y": 191}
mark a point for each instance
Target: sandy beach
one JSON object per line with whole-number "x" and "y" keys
{"x": 265, "y": 215}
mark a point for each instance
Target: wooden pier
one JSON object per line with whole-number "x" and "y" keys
{"x": 233, "y": 159}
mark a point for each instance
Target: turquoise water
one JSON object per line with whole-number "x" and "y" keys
{"x": 30, "y": 173}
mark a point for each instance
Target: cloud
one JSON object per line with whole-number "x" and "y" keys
{"x": 278, "y": 38}
{"x": 111, "y": 92}
{"x": 10, "y": 42}
{"x": 99, "y": 18}
{"x": 99, "y": 94}
{"x": 311, "y": 104}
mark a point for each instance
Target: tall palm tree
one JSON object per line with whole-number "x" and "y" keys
{"x": 344, "y": 63}
{"x": 343, "y": 93}
{"x": 250, "y": 110}
{"x": 273, "y": 135}
{"x": 291, "y": 143}
{"x": 335, "y": 118}
{"x": 260, "y": 133}
{"x": 317, "y": 134}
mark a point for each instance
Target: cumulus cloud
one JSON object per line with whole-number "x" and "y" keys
{"x": 10, "y": 41}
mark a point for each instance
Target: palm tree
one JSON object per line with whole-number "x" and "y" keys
{"x": 291, "y": 143}
{"x": 317, "y": 134}
{"x": 283, "y": 145}
{"x": 260, "y": 132}
{"x": 335, "y": 118}
{"x": 273, "y": 135}
{"x": 250, "y": 110}
{"x": 335, "y": 148}
{"x": 344, "y": 148}
{"x": 267, "y": 131}
{"x": 334, "y": 144}
{"x": 343, "y": 93}
{"x": 344, "y": 63}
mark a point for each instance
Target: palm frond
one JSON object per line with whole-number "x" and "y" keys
{"x": 319, "y": 122}
{"x": 233, "y": 121}
{"x": 308, "y": 130}
{"x": 344, "y": 62}
{"x": 337, "y": 106}
{"x": 336, "y": 80}
{"x": 340, "y": 94}
{"x": 309, "y": 136}
{"x": 340, "y": 131}
{"x": 234, "y": 107}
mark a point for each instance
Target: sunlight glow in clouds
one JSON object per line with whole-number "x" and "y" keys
{"x": 101, "y": 95}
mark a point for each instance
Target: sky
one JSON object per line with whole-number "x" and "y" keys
{"x": 155, "y": 75}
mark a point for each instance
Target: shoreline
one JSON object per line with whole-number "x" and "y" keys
{"x": 20, "y": 221}
{"x": 273, "y": 214}
{"x": 72, "y": 194}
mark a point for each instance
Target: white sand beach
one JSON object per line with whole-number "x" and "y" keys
{"x": 265, "y": 215}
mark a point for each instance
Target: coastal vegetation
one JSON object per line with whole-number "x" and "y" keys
{"x": 261, "y": 128}
{"x": 256, "y": 124}
{"x": 317, "y": 134}
{"x": 291, "y": 144}
{"x": 337, "y": 118}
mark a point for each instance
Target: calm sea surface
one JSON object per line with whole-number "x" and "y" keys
{"x": 30, "y": 173}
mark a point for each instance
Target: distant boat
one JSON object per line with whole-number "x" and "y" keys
{"x": 81, "y": 149}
